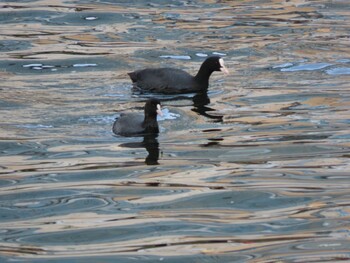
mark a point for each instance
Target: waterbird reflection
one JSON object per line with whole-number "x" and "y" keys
{"x": 200, "y": 102}
{"x": 151, "y": 144}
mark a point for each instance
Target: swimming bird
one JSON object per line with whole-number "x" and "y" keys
{"x": 129, "y": 124}
{"x": 177, "y": 81}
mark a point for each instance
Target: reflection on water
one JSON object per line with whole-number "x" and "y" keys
{"x": 200, "y": 102}
{"x": 256, "y": 170}
{"x": 151, "y": 144}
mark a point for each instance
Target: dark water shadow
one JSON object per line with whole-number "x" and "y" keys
{"x": 151, "y": 144}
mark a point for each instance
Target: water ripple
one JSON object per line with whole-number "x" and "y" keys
{"x": 254, "y": 170}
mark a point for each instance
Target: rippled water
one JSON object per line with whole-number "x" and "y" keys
{"x": 257, "y": 170}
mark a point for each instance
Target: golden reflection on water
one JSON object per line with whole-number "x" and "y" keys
{"x": 268, "y": 182}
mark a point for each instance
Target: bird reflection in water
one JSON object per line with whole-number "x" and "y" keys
{"x": 200, "y": 102}
{"x": 151, "y": 144}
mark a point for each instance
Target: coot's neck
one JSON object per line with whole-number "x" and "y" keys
{"x": 202, "y": 77}
{"x": 150, "y": 123}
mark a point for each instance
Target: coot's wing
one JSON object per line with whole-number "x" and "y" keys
{"x": 128, "y": 124}
{"x": 164, "y": 80}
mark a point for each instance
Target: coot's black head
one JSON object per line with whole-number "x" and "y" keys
{"x": 153, "y": 107}
{"x": 215, "y": 63}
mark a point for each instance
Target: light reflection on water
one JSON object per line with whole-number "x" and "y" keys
{"x": 256, "y": 170}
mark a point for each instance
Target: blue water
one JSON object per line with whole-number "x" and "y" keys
{"x": 256, "y": 170}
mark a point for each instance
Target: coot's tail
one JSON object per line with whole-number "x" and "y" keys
{"x": 133, "y": 76}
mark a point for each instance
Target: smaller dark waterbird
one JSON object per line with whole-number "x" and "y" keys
{"x": 131, "y": 124}
{"x": 177, "y": 81}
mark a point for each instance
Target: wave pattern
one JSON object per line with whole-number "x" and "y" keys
{"x": 255, "y": 171}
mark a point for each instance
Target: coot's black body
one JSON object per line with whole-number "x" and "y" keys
{"x": 129, "y": 124}
{"x": 176, "y": 81}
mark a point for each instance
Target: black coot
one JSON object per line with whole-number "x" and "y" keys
{"x": 176, "y": 81}
{"x": 129, "y": 124}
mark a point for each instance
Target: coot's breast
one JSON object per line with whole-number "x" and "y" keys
{"x": 164, "y": 80}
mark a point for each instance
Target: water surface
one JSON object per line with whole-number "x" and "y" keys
{"x": 257, "y": 170}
